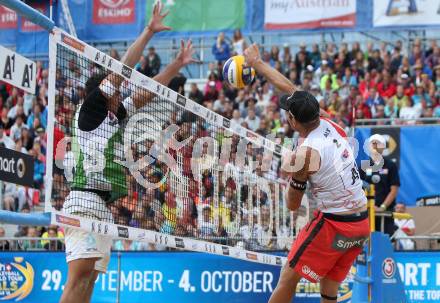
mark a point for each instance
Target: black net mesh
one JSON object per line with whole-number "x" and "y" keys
{"x": 161, "y": 167}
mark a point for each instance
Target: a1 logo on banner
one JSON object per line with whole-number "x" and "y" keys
{"x": 113, "y": 11}
{"x": 17, "y": 70}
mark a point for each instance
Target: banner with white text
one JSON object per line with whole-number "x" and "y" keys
{"x": 307, "y": 14}
{"x": 187, "y": 277}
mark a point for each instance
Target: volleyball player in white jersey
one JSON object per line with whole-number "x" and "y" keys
{"x": 327, "y": 246}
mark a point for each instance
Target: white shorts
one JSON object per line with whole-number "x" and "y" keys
{"x": 85, "y": 245}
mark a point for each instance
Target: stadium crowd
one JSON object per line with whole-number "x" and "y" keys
{"x": 350, "y": 83}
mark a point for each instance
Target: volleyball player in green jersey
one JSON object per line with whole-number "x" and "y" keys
{"x": 99, "y": 177}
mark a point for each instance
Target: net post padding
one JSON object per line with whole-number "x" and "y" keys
{"x": 161, "y": 107}
{"x": 35, "y": 219}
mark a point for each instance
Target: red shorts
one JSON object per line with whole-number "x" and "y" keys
{"x": 328, "y": 245}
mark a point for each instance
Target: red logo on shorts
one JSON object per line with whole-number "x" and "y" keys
{"x": 113, "y": 11}
{"x": 388, "y": 268}
{"x": 309, "y": 272}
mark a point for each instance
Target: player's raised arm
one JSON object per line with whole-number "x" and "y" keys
{"x": 185, "y": 57}
{"x": 253, "y": 59}
{"x": 134, "y": 52}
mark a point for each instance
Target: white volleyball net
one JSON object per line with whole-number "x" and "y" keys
{"x": 171, "y": 172}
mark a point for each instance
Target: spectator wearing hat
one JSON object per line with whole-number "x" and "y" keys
{"x": 211, "y": 93}
{"x": 408, "y": 87}
{"x": 384, "y": 176}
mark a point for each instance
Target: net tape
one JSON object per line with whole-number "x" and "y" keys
{"x": 275, "y": 217}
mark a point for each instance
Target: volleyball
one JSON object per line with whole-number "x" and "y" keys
{"x": 236, "y": 73}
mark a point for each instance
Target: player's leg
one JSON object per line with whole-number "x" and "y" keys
{"x": 286, "y": 286}
{"x": 329, "y": 290}
{"x": 91, "y": 285}
{"x": 80, "y": 274}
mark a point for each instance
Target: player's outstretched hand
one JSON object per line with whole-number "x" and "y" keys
{"x": 156, "y": 22}
{"x": 186, "y": 53}
{"x": 252, "y": 55}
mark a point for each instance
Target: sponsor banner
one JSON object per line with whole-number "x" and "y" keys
{"x": 406, "y": 12}
{"x": 8, "y": 18}
{"x": 152, "y": 277}
{"x": 202, "y": 15}
{"x": 163, "y": 277}
{"x": 17, "y": 70}
{"x": 309, "y": 14}
{"x": 113, "y": 11}
{"x": 16, "y": 167}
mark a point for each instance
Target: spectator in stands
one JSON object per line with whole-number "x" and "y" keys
{"x": 54, "y": 233}
{"x": 153, "y": 62}
{"x": 206, "y": 226}
{"x": 39, "y": 166}
{"x": 220, "y": 49}
{"x": 211, "y": 93}
{"x": 32, "y": 232}
{"x": 406, "y": 227}
{"x": 410, "y": 112}
{"x": 196, "y": 94}
{"x": 384, "y": 176}
{"x": 252, "y": 120}
{"x": 374, "y": 100}
{"x": 375, "y": 62}
{"x": 17, "y": 127}
{"x": 5, "y": 141}
{"x": 4, "y": 244}
{"x": 238, "y": 43}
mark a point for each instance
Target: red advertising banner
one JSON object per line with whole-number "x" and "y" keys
{"x": 113, "y": 11}
{"x": 28, "y": 26}
{"x": 8, "y": 18}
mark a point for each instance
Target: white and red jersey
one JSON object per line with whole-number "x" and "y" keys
{"x": 336, "y": 186}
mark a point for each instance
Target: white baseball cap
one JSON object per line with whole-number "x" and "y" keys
{"x": 378, "y": 138}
